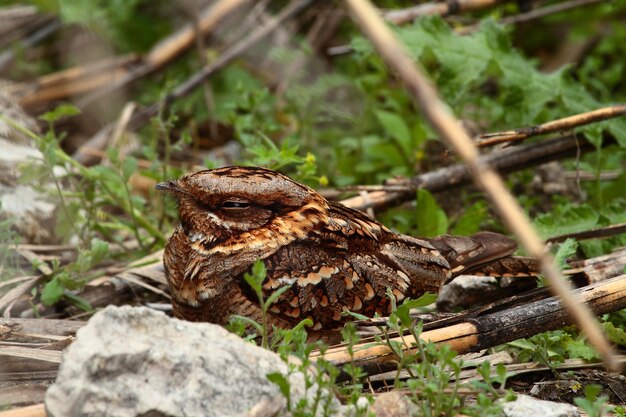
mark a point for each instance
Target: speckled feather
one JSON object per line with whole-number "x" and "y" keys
{"x": 333, "y": 258}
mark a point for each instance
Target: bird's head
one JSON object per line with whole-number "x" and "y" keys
{"x": 217, "y": 204}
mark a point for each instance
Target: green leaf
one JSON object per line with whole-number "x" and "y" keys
{"x": 256, "y": 278}
{"x": 616, "y": 335}
{"x": 275, "y": 294}
{"x": 396, "y": 127}
{"x": 577, "y": 348}
{"x": 565, "y": 250}
{"x": 99, "y": 250}
{"x": 430, "y": 218}
{"x": 60, "y": 112}
{"x": 424, "y": 300}
{"x": 469, "y": 223}
{"x": 566, "y": 219}
{"x": 129, "y": 167}
{"x": 52, "y": 291}
{"x": 282, "y": 382}
{"x": 523, "y": 344}
{"x": 79, "y": 302}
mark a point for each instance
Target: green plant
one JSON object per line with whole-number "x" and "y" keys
{"x": 592, "y": 404}
{"x": 74, "y": 276}
{"x": 434, "y": 371}
{"x": 255, "y": 281}
{"x": 8, "y": 238}
{"x": 552, "y": 348}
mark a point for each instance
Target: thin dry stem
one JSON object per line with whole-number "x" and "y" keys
{"x": 558, "y": 125}
{"x": 534, "y": 14}
{"x": 449, "y": 128}
{"x": 436, "y": 8}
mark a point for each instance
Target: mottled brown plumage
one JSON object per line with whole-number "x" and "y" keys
{"x": 333, "y": 258}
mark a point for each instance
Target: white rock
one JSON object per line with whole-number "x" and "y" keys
{"x": 136, "y": 362}
{"x": 525, "y": 406}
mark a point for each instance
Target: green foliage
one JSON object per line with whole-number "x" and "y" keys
{"x": 567, "y": 218}
{"x": 565, "y": 251}
{"x": 470, "y": 221}
{"x": 431, "y": 219}
{"x": 8, "y": 237}
{"x": 434, "y": 371}
{"x": 74, "y": 275}
{"x": 255, "y": 281}
{"x": 552, "y": 348}
{"x": 463, "y": 64}
{"x": 97, "y": 205}
{"x": 132, "y": 25}
{"x": 615, "y": 334}
{"x": 591, "y": 404}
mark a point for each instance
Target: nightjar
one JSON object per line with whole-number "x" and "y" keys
{"x": 333, "y": 258}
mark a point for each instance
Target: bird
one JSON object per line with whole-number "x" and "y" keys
{"x": 333, "y": 259}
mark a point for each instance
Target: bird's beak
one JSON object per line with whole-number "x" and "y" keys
{"x": 171, "y": 186}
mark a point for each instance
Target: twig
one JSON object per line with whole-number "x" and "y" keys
{"x": 436, "y": 8}
{"x": 504, "y": 160}
{"x": 191, "y": 83}
{"x": 7, "y": 57}
{"x": 209, "y": 99}
{"x": 534, "y": 14}
{"x": 558, "y": 125}
{"x": 435, "y": 111}
{"x": 408, "y": 15}
{"x": 546, "y": 11}
{"x": 72, "y": 81}
{"x": 167, "y": 49}
{"x": 17, "y": 12}
{"x": 326, "y": 21}
{"x": 8, "y": 299}
{"x": 612, "y": 230}
{"x": 121, "y": 124}
{"x": 487, "y": 329}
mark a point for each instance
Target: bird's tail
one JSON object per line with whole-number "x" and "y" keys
{"x": 484, "y": 253}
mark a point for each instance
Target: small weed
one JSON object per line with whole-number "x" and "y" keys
{"x": 592, "y": 404}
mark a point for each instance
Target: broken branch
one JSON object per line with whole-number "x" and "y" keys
{"x": 558, "y": 125}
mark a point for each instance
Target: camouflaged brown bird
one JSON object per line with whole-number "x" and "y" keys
{"x": 333, "y": 258}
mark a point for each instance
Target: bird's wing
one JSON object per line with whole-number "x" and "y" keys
{"x": 350, "y": 264}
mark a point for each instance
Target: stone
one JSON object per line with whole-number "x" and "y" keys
{"x": 134, "y": 361}
{"x": 32, "y": 213}
{"x": 393, "y": 404}
{"x": 525, "y": 406}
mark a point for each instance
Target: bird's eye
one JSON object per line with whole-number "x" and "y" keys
{"x": 235, "y": 204}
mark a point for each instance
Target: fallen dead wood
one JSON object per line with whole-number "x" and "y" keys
{"x": 170, "y": 48}
{"x": 488, "y": 329}
{"x": 186, "y": 87}
{"x": 590, "y": 271}
{"x": 439, "y": 8}
{"x": 53, "y": 356}
{"x": 37, "y": 410}
{"x": 504, "y": 161}
{"x": 56, "y": 327}
{"x": 110, "y": 74}
{"x": 534, "y": 14}
{"x": 73, "y": 81}
{"x": 559, "y": 125}
{"x": 607, "y": 231}
{"x": 470, "y": 373}
{"x": 515, "y": 369}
